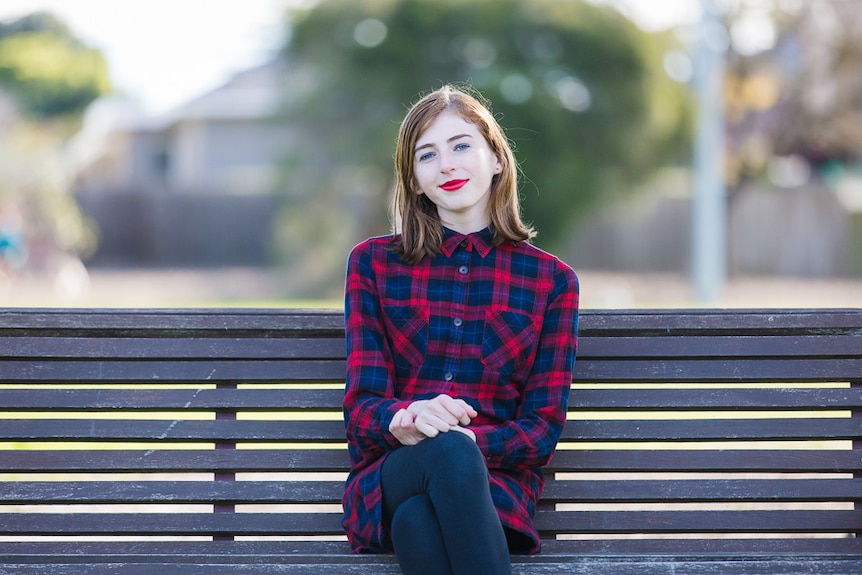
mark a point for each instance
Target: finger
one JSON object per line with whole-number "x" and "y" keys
{"x": 471, "y": 411}
{"x": 427, "y": 429}
{"x": 444, "y": 409}
{"x": 397, "y": 420}
{"x": 457, "y": 408}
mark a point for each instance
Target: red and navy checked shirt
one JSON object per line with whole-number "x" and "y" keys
{"x": 494, "y": 326}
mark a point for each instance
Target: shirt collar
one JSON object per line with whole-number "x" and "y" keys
{"x": 482, "y": 241}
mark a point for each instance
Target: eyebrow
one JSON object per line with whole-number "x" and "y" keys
{"x": 450, "y": 140}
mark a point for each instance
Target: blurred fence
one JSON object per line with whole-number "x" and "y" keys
{"x": 138, "y": 228}
{"x": 803, "y": 231}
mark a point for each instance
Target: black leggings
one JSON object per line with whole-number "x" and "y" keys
{"x": 438, "y": 506}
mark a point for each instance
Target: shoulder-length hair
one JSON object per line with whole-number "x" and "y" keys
{"x": 416, "y": 216}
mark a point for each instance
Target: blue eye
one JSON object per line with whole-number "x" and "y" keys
{"x": 426, "y": 156}
{"x": 461, "y": 147}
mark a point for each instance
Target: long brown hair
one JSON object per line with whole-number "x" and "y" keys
{"x": 420, "y": 226}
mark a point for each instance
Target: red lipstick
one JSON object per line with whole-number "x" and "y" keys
{"x": 453, "y": 185}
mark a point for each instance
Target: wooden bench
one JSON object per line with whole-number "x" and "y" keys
{"x": 199, "y": 442}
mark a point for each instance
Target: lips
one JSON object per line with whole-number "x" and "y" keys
{"x": 453, "y": 185}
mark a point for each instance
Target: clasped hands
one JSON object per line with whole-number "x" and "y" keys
{"x": 429, "y": 417}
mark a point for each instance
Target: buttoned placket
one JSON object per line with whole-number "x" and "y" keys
{"x": 461, "y": 264}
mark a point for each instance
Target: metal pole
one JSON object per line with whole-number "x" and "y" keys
{"x": 709, "y": 217}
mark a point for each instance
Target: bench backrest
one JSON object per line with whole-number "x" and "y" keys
{"x": 227, "y": 423}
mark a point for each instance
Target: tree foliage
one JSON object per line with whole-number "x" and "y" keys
{"x": 579, "y": 89}
{"x": 49, "y": 71}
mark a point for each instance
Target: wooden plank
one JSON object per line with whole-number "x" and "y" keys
{"x": 718, "y": 370}
{"x": 179, "y": 322}
{"x": 729, "y": 345}
{"x": 324, "y": 348}
{"x": 385, "y": 565}
{"x": 602, "y": 460}
{"x": 172, "y": 371}
{"x": 579, "y": 522}
{"x": 592, "y": 322}
{"x": 712, "y": 430}
{"x": 167, "y": 460}
{"x": 629, "y": 371}
{"x": 557, "y": 491}
{"x": 715, "y": 399}
{"x": 45, "y": 347}
{"x": 710, "y": 322}
{"x": 333, "y": 431}
{"x": 718, "y": 460}
{"x": 720, "y": 399}
{"x": 277, "y": 551}
{"x": 176, "y": 524}
{"x": 753, "y": 521}
{"x": 108, "y": 492}
{"x": 170, "y": 431}
{"x": 171, "y": 399}
{"x": 702, "y": 490}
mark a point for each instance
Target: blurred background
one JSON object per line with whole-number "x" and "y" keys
{"x": 676, "y": 153}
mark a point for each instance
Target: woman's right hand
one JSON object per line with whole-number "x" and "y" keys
{"x": 403, "y": 428}
{"x": 430, "y": 417}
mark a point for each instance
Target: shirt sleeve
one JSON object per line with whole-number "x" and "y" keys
{"x": 529, "y": 440}
{"x": 369, "y": 399}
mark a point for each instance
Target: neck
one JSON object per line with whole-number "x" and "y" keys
{"x": 466, "y": 225}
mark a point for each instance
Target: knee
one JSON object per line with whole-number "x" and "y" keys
{"x": 457, "y": 458}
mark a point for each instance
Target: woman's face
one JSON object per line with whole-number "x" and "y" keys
{"x": 453, "y": 165}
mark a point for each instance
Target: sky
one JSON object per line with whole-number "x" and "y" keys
{"x": 164, "y": 53}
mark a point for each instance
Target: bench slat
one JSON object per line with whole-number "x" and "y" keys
{"x": 333, "y": 431}
{"x": 304, "y": 491}
{"x": 753, "y": 521}
{"x": 227, "y": 552}
{"x": 55, "y": 347}
{"x": 734, "y": 345}
{"x": 385, "y": 565}
{"x": 712, "y": 430}
{"x": 171, "y": 399}
{"x": 331, "y": 399}
{"x": 622, "y": 460}
{"x": 719, "y": 370}
{"x": 101, "y": 348}
{"x": 172, "y": 371}
{"x": 181, "y": 461}
{"x": 293, "y": 524}
{"x": 176, "y": 322}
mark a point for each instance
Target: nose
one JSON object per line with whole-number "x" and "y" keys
{"x": 447, "y": 163}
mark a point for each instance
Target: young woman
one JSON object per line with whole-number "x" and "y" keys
{"x": 461, "y": 340}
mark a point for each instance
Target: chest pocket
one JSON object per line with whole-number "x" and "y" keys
{"x": 407, "y": 327}
{"x": 508, "y": 340}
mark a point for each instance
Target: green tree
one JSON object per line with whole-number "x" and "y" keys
{"x": 580, "y": 90}
{"x": 47, "y": 69}
{"x": 47, "y": 79}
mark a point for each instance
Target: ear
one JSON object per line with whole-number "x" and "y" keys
{"x": 498, "y": 166}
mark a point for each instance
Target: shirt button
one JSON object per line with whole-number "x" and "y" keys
{"x": 463, "y": 270}
{"x": 448, "y": 376}
{"x": 458, "y": 321}
{"x": 464, "y": 244}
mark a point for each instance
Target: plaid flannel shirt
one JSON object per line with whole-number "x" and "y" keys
{"x": 494, "y": 326}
